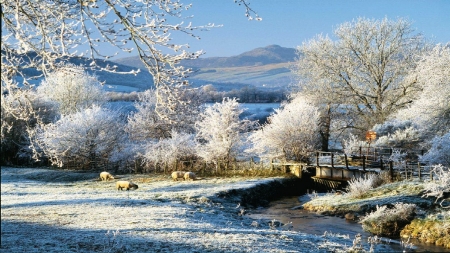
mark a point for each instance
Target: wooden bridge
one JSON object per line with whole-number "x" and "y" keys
{"x": 333, "y": 170}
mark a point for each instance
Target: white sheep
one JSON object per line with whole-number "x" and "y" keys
{"x": 120, "y": 185}
{"x": 106, "y": 176}
{"x": 177, "y": 174}
{"x": 190, "y": 176}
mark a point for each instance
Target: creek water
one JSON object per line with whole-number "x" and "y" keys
{"x": 286, "y": 210}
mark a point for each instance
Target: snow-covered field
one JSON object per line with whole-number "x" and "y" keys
{"x": 44, "y": 210}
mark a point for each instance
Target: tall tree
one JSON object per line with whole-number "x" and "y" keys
{"x": 364, "y": 71}
{"x": 219, "y": 131}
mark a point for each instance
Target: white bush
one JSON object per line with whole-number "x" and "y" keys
{"x": 439, "y": 153}
{"x": 219, "y": 131}
{"x": 72, "y": 89}
{"x": 353, "y": 143}
{"x": 169, "y": 150}
{"x": 440, "y": 186}
{"x": 357, "y": 187}
{"x": 386, "y": 221}
{"x": 91, "y": 132}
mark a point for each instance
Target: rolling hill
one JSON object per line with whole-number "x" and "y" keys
{"x": 265, "y": 67}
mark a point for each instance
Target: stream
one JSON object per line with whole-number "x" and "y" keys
{"x": 286, "y": 210}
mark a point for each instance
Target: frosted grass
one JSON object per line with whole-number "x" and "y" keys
{"x": 161, "y": 216}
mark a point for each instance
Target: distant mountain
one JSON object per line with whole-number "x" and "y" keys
{"x": 267, "y": 67}
{"x": 256, "y": 57}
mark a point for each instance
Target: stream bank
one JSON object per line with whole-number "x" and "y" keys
{"x": 277, "y": 203}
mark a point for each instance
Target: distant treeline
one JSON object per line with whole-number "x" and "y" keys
{"x": 247, "y": 94}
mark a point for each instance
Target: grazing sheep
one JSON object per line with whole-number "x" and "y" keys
{"x": 189, "y": 176}
{"x": 177, "y": 174}
{"x": 126, "y": 184}
{"x": 105, "y": 176}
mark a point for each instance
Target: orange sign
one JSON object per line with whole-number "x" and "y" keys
{"x": 370, "y": 136}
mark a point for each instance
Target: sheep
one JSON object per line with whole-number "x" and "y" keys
{"x": 105, "y": 176}
{"x": 189, "y": 176}
{"x": 120, "y": 185}
{"x": 177, "y": 174}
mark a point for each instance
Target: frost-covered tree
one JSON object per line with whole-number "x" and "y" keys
{"x": 365, "y": 71}
{"x": 72, "y": 89}
{"x": 144, "y": 123}
{"x": 431, "y": 109}
{"x": 88, "y": 135}
{"x": 291, "y": 133}
{"x": 219, "y": 131}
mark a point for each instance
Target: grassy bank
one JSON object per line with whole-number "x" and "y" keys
{"x": 383, "y": 211}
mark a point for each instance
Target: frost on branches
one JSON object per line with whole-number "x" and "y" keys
{"x": 431, "y": 110}
{"x": 291, "y": 134}
{"x": 439, "y": 152}
{"x": 38, "y": 34}
{"x": 146, "y": 123}
{"x": 72, "y": 89}
{"x": 93, "y": 133}
{"x": 440, "y": 186}
{"x": 165, "y": 152}
{"x": 219, "y": 131}
{"x": 365, "y": 69}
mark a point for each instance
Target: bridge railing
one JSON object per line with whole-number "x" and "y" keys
{"x": 367, "y": 158}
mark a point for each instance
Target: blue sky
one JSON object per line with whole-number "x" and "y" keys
{"x": 289, "y": 23}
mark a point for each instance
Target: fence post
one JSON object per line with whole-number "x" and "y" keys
{"x": 271, "y": 164}
{"x": 391, "y": 170}
{"x": 346, "y": 161}
{"x": 317, "y": 159}
{"x": 332, "y": 162}
{"x": 406, "y": 170}
{"x": 419, "y": 172}
{"x": 381, "y": 163}
{"x": 364, "y": 162}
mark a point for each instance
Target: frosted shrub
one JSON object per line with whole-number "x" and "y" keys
{"x": 440, "y": 187}
{"x": 407, "y": 137}
{"x": 94, "y": 132}
{"x": 170, "y": 150}
{"x": 72, "y": 89}
{"x": 389, "y": 222}
{"x": 439, "y": 153}
{"x": 398, "y": 159}
{"x": 357, "y": 187}
{"x": 352, "y": 143}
